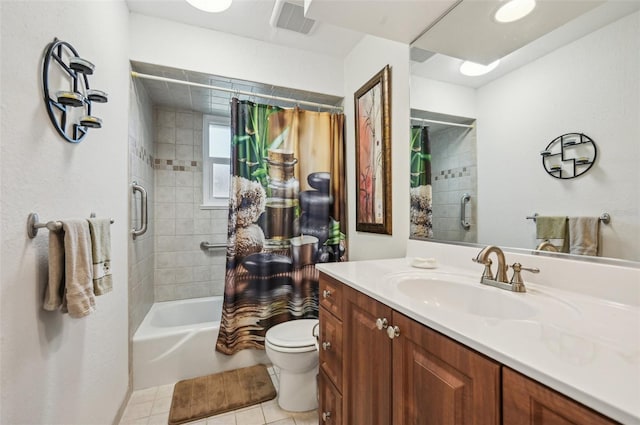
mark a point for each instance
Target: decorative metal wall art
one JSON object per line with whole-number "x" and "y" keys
{"x": 69, "y": 107}
{"x": 569, "y": 156}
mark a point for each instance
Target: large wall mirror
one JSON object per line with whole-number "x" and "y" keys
{"x": 568, "y": 67}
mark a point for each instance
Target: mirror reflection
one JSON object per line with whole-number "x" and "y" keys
{"x": 484, "y": 136}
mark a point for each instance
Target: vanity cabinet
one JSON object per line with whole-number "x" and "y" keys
{"x": 379, "y": 367}
{"x": 527, "y": 402}
{"x": 415, "y": 377}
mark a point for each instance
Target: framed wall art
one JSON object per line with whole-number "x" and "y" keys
{"x": 373, "y": 154}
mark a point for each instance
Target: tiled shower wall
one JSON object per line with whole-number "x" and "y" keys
{"x": 182, "y": 269}
{"x": 141, "y": 288}
{"x": 454, "y": 173}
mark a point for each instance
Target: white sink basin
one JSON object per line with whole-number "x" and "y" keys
{"x": 474, "y": 299}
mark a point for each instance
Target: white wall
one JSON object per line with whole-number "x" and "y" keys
{"x": 54, "y": 369}
{"x": 588, "y": 86}
{"x": 364, "y": 61}
{"x": 444, "y": 98}
{"x": 162, "y": 42}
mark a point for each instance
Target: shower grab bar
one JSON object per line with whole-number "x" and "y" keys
{"x": 33, "y": 224}
{"x": 463, "y": 211}
{"x": 143, "y": 210}
{"x": 204, "y": 245}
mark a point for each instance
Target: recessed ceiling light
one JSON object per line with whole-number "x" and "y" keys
{"x": 472, "y": 69}
{"x": 514, "y": 10}
{"x": 212, "y": 6}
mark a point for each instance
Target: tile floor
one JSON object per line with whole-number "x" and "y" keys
{"x": 151, "y": 407}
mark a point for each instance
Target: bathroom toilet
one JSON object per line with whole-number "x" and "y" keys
{"x": 291, "y": 346}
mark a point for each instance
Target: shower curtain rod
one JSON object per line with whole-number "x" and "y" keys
{"x": 454, "y": 124}
{"x": 239, "y": 92}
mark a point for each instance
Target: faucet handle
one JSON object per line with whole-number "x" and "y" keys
{"x": 516, "y": 279}
{"x": 487, "y": 273}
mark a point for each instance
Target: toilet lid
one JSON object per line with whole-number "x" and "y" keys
{"x": 296, "y": 333}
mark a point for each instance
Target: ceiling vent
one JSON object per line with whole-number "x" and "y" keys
{"x": 289, "y": 15}
{"x": 419, "y": 55}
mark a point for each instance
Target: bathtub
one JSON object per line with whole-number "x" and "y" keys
{"x": 176, "y": 340}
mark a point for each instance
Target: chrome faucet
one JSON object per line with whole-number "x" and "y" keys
{"x": 516, "y": 284}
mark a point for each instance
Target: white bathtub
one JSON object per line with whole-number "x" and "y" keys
{"x": 176, "y": 340}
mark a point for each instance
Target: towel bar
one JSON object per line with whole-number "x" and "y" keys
{"x": 605, "y": 217}
{"x": 206, "y": 245}
{"x": 33, "y": 224}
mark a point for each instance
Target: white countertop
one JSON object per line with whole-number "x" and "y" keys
{"x": 584, "y": 347}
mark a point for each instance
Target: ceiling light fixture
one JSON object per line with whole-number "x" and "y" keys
{"x": 212, "y": 6}
{"x": 472, "y": 69}
{"x": 514, "y": 10}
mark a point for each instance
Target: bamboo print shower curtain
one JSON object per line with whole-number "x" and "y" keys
{"x": 286, "y": 212}
{"x": 421, "y": 193}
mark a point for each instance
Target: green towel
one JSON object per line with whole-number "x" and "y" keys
{"x": 553, "y": 229}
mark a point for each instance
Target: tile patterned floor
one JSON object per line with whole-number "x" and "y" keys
{"x": 151, "y": 407}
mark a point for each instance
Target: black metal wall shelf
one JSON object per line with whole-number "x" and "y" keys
{"x": 569, "y": 156}
{"x": 69, "y": 109}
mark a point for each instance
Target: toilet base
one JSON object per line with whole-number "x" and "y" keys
{"x": 298, "y": 392}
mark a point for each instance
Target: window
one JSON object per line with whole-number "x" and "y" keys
{"x": 216, "y": 148}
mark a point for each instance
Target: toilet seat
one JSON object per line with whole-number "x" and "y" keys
{"x": 292, "y": 337}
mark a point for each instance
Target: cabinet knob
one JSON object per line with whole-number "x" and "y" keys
{"x": 326, "y": 345}
{"x": 382, "y": 323}
{"x": 393, "y": 332}
{"x": 326, "y": 293}
{"x": 326, "y": 416}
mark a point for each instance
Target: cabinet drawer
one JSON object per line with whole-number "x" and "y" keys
{"x": 330, "y": 408}
{"x": 330, "y": 341}
{"x": 330, "y": 293}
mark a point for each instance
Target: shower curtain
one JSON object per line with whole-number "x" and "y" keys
{"x": 287, "y": 212}
{"x": 421, "y": 194}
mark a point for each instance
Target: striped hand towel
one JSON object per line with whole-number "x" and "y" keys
{"x": 101, "y": 253}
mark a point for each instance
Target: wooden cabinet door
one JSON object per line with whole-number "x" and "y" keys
{"x": 331, "y": 349}
{"x": 367, "y": 368}
{"x": 439, "y": 381}
{"x": 330, "y": 409}
{"x": 527, "y": 402}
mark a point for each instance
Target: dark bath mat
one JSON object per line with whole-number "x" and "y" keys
{"x": 210, "y": 395}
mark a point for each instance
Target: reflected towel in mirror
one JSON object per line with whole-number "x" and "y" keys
{"x": 553, "y": 229}
{"x": 583, "y": 235}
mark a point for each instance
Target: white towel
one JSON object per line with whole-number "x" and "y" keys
{"x": 79, "y": 299}
{"x": 55, "y": 287}
{"x": 100, "y": 229}
{"x": 583, "y": 235}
